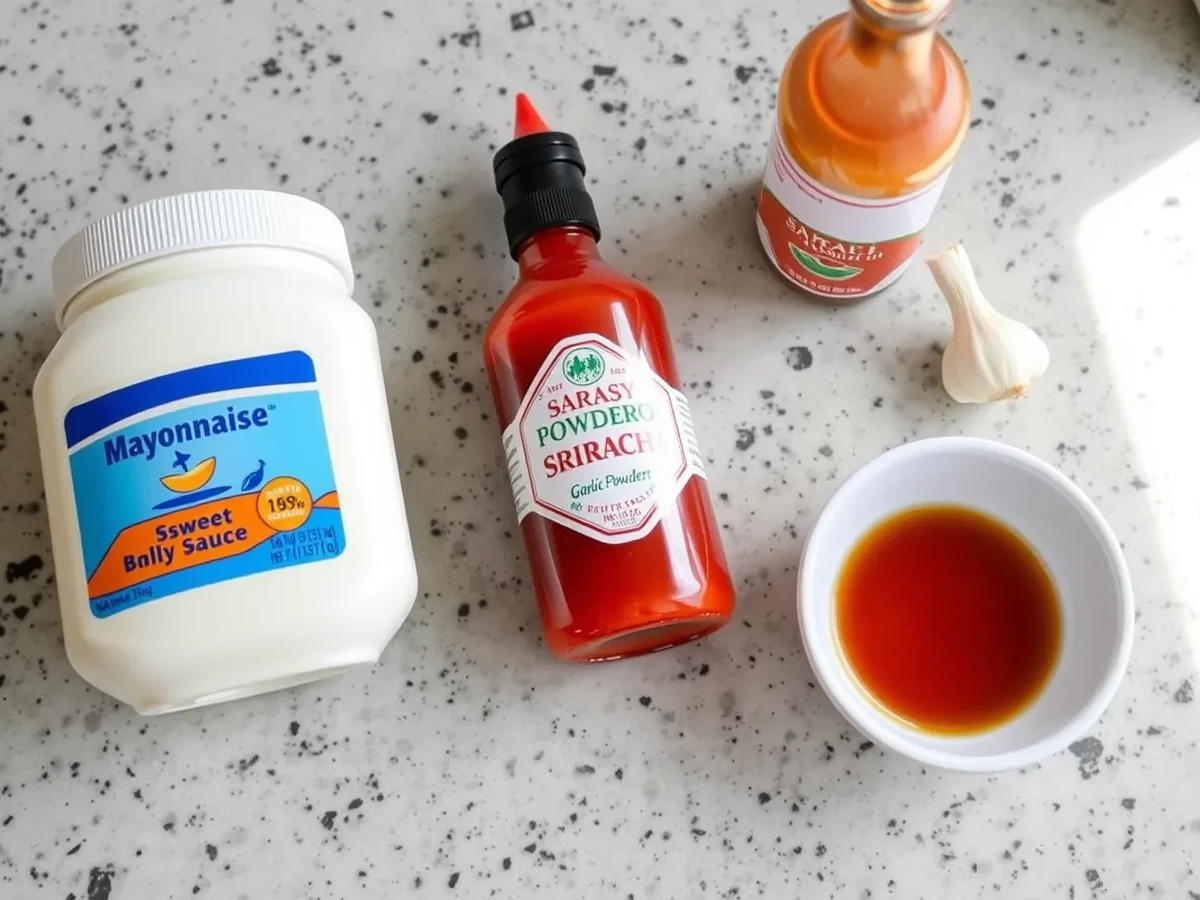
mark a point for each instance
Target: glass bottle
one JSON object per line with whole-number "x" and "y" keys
{"x": 873, "y": 107}
{"x": 607, "y": 477}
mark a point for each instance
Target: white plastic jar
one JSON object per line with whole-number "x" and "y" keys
{"x": 224, "y": 501}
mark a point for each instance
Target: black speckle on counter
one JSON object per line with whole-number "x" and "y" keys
{"x": 23, "y": 570}
{"x": 744, "y": 73}
{"x": 799, "y": 358}
{"x": 429, "y": 117}
{"x": 244, "y": 764}
{"x": 270, "y": 67}
{"x": 453, "y": 880}
{"x": 745, "y": 438}
{"x": 328, "y": 819}
{"x": 1184, "y": 693}
{"x": 1088, "y": 751}
{"x": 210, "y": 851}
{"x": 464, "y": 610}
{"x": 763, "y": 797}
{"x": 471, "y": 37}
{"x": 100, "y": 883}
{"x": 519, "y": 21}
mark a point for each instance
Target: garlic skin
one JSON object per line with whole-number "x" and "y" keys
{"x": 989, "y": 357}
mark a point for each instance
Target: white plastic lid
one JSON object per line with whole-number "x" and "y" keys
{"x": 197, "y": 221}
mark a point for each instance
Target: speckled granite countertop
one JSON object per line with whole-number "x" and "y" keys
{"x": 469, "y": 763}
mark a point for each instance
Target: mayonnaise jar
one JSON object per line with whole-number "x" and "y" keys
{"x": 225, "y": 508}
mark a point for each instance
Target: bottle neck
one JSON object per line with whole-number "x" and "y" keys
{"x": 181, "y": 266}
{"x": 565, "y": 245}
{"x": 882, "y": 32}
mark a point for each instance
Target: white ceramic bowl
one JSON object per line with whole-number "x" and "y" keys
{"x": 1059, "y": 522}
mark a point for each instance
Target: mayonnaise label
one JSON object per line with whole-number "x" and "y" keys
{"x": 201, "y": 476}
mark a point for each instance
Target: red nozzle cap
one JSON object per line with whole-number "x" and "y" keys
{"x": 527, "y": 120}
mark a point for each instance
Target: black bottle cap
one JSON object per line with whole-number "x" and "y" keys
{"x": 539, "y": 176}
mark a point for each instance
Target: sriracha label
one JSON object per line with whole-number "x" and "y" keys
{"x": 601, "y": 443}
{"x": 832, "y": 244}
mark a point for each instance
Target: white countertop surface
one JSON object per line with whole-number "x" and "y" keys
{"x": 469, "y": 763}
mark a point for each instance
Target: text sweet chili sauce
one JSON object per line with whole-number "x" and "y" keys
{"x": 606, "y": 474}
{"x": 873, "y": 106}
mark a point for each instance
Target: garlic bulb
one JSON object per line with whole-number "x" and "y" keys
{"x": 990, "y": 356}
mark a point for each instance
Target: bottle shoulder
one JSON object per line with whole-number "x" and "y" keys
{"x": 872, "y": 127}
{"x": 571, "y": 299}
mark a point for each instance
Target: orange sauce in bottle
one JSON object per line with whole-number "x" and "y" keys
{"x": 873, "y": 107}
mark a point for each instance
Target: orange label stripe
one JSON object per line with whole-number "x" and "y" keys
{"x": 176, "y": 541}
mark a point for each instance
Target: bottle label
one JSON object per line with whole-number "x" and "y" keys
{"x": 201, "y": 476}
{"x": 834, "y": 244}
{"x": 601, "y": 443}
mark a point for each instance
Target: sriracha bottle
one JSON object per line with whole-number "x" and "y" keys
{"x": 606, "y": 474}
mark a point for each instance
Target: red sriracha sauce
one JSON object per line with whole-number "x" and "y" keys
{"x": 606, "y": 473}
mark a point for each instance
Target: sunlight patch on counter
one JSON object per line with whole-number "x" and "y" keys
{"x": 1138, "y": 251}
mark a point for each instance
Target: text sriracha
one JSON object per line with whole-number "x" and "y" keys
{"x": 606, "y": 406}
{"x": 167, "y": 537}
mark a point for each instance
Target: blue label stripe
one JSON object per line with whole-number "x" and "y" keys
{"x": 84, "y": 420}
